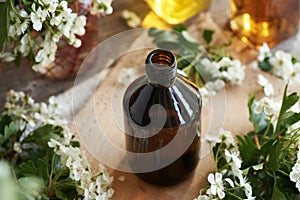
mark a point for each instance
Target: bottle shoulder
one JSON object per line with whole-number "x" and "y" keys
{"x": 181, "y": 101}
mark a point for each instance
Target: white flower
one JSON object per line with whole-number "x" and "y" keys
{"x": 46, "y": 55}
{"x": 204, "y": 95}
{"x": 17, "y": 147}
{"x": 295, "y": 75}
{"x": 232, "y": 70}
{"x": 227, "y": 138}
{"x": 37, "y": 17}
{"x": 233, "y": 158}
{"x": 295, "y": 175}
{"x": 25, "y": 44}
{"x": 248, "y": 191}
{"x": 202, "y": 197}
{"x": 132, "y": 19}
{"x": 7, "y": 56}
{"x": 212, "y": 68}
{"x": 267, "y": 105}
{"x": 267, "y": 86}
{"x": 228, "y": 180}
{"x": 214, "y": 86}
{"x": 282, "y": 64}
{"x": 101, "y": 7}
{"x": 216, "y": 187}
{"x": 79, "y": 24}
{"x": 264, "y": 52}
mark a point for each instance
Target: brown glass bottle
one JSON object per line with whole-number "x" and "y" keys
{"x": 162, "y": 119}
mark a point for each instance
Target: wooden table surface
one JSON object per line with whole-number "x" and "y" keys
{"x": 24, "y": 79}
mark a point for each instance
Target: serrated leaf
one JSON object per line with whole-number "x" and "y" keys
{"x": 7, "y": 129}
{"x": 10, "y": 130}
{"x": 4, "y": 22}
{"x": 4, "y": 121}
{"x": 207, "y": 35}
{"x": 27, "y": 169}
{"x": 31, "y": 186}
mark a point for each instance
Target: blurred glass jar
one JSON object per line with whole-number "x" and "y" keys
{"x": 177, "y": 11}
{"x": 259, "y": 21}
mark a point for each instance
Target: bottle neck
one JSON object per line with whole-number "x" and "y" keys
{"x": 161, "y": 68}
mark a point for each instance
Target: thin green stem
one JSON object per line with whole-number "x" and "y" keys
{"x": 181, "y": 58}
{"x": 50, "y": 175}
{"x": 11, "y": 5}
{"x": 234, "y": 195}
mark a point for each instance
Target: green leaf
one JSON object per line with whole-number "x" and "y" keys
{"x": 258, "y": 120}
{"x": 292, "y": 120}
{"x": 75, "y": 144}
{"x": 153, "y": 32}
{"x": 294, "y": 60}
{"x": 289, "y": 101}
{"x": 284, "y": 114}
{"x": 179, "y": 28}
{"x": 248, "y": 150}
{"x": 7, "y": 129}
{"x": 4, "y": 121}
{"x": 31, "y": 186}
{"x": 207, "y": 35}
{"x": 277, "y": 194}
{"x": 66, "y": 189}
{"x": 4, "y": 22}
{"x": 258, "y": 166}
{"x": 43, "y": 134}
{"x": 272, "y": 153}
{"x": 265, "y": 65}
{"x": 166, "y": 40}
{"x": 29, "y": 168}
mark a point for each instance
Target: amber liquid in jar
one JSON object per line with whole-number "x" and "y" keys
{"x": 259, "y": 21}
{"x": 182, "y": 105}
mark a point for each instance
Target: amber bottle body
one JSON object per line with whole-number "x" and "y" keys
{"x": 163, "y": 116}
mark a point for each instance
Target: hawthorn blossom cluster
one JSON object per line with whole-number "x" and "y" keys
{"x": 218, "y": 73}
{"x": 231, "y": 176}
{"x": 281, "y": 63}
{"x": 92, "y": 186}
{"x": 35, "y": 28}
{"x": 132, "y": 19}
{"x": 30, "y": 115}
